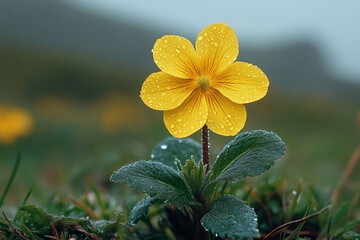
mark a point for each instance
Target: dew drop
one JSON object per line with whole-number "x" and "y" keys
{"x": 152, "y": 50}
{"x": 200, "y": 38}
{"x": 172, "y": 126}
{"x": 179, "y": 120}
{"x": 163, "y": 146}
{"x": 216, "y": 44}
{"x": 229, "y": 116}
{"x": 165, "y": 41}
{"x": 177, "y": 50}
{"x": 152, "y": 155}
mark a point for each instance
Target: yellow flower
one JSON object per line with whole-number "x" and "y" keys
{"x": 14, "y": 123}
{"x": 202, "y": 86}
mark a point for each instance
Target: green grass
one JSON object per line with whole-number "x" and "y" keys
{"x": 284, "y": 212}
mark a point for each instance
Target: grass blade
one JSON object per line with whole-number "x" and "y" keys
{"x": 11, "y": 179}
{"x": 298, "y": 227}
{"x": 297, "y": 221}
{"x": 348, "y": 227}
{"x": 24, "y": 203}
{"x": 98, "y": 196}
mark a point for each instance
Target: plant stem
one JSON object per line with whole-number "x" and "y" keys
{"x": 205, "y": 147}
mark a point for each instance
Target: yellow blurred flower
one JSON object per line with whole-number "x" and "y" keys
{"x": 202, "y": 86}
{"x": 55, "y": 107}
{"x": 120, "y": 113}
{"x": 14, "y": 123}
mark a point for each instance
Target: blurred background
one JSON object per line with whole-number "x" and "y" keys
{"x": 71, "y": 72}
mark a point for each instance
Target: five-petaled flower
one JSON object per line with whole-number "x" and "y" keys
{"x": 203, "y": 86}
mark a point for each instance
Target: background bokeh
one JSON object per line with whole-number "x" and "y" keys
{"x": 72, "y": 71}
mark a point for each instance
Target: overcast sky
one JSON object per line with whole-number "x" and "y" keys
{"x": 333, "y": 25}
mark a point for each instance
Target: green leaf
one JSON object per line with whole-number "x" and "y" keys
{"x": 5, "y": 225}
{"x": 350, "y": 235}
{"x": 34, "y": 217}
{"x": 230, "y": 217}
{"x": 105, "y": 227}
{"x": 170, "y": 149}
{"x": 157, "y": 180}
{"x": 248, "y": 155}
{"x": 140, "y": 210}
{"x": 193, "y": 174}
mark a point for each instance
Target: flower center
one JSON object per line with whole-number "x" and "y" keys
{"x": 203, "y": 82}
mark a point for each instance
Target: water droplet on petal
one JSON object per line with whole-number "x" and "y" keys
{"x": 200, "y": 38}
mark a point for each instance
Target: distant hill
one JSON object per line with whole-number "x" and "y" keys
{"x": 56, "y": 25}
{"x": 61, "y": 28}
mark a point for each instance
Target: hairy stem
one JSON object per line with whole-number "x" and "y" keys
{"x": 205, "y": 147}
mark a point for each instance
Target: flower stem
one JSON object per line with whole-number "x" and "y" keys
{"x": 205, "y": 147}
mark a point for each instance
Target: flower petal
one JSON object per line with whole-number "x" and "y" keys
{"x": 175, "y": 55}
{"x": 217, "y": 48}
{"x": 189, "y": 117}
{"x": 162, "y": 91}
{"x": 225, "y": 117}
{"x": 242, "y": 83}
